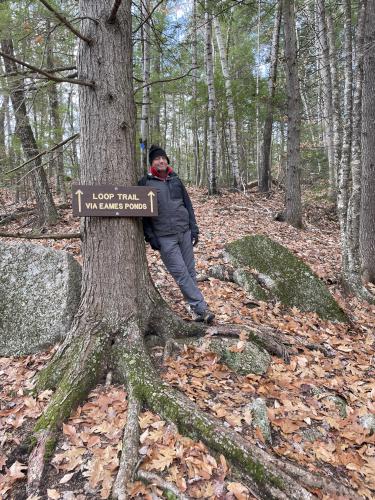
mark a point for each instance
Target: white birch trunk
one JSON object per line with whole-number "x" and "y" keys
{"x": 344, "y": 171}
{"x": 351, "y": 261}
{"x": 233, "y": 145}
{"x": 336, "y": 107}
{"x": 194, "y": 62}
{"x": 212, "y": 141}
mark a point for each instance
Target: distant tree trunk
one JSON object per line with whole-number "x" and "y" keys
{"x": 344, "y": 171}
{"x": 336, "y": 108}
{"x": 3, "y": 150}
{"x": 230, "y": 106}
{"x": 47, "y": 213}
{"x": 265, "y": 162}
{"x": 327, "y": 95}
{"x": 194, "y": 62}
{"x": 293, "y": 204}
{"x": 145, "y": 9}
{"x": 367, "y": 231}
{"x": 57, "y": 131}
{"x": 212, "y": 139}
{"x": 155, "y": 133}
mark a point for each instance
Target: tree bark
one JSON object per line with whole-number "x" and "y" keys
{"x": 293, "y": 204}
{"x": 230, "y": 106}
{"x": 367, "y": 231}
{"x": 265, "y": 165}
{"x": 146, "y": 68}
{"x": 194, "y": 62}
{"x": 212, "y": 133}
{"x": 56, "y": 126}
{"x": 47, "y": 213}
{"x": 327, "y": 94}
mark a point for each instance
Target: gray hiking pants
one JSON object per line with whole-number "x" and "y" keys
{"x": 176, "y": 251}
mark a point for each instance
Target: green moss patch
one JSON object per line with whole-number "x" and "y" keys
{"x": 294, "y": 284}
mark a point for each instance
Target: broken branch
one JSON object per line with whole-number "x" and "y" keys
{"x": 112, "y": 16}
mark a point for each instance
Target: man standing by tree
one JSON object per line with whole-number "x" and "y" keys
{"x": 174, "y": 231}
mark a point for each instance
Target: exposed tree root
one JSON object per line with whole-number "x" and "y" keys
{"x": 150, "y": 477}
{"x": 129, "y": 455}
{"x": 268, "y": 472}
{"x": 267, "y": 476}
{"x": 36, "y": 464}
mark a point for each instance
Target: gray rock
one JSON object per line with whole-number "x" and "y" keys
{"x": 286, "y": 278}
{"x": 260, "y": 418}
{"x": 250, "y": 359}
{"x": 39, "y": 295}
{"x": 368, "y": 422}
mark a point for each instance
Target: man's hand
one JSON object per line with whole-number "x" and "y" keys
{"x": 194, "y": 239}
{"x": 154, "y": 242}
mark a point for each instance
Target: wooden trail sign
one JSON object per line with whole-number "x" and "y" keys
{"x": 114, "y": 201}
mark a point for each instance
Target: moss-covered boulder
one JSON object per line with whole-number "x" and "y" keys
{"x": 243, "y": 359}
{"x": 39, "y": 296}
{"x": 283, "y": 276}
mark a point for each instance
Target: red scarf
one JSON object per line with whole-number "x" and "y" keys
{"x": 161, "y": 175}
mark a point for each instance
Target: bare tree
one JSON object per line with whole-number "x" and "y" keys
{"x": 47, "y": 213}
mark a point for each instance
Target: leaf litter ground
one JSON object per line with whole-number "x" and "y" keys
{"x": 315, "y": 404}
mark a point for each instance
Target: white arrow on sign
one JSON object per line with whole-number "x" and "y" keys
{"x": 79, "y": 193}
{"x": 151, "y": 196}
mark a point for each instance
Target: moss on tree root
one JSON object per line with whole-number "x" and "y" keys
{"x": 135, "y": 367}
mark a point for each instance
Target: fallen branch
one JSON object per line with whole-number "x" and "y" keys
{"x": 36, "y": 236}
{"x": 130, "y": 443}
{"x": 150, "y": 477}
{"x": 63, "y": 19}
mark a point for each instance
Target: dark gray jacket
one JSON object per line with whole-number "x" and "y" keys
{"x": 175, "y": 211}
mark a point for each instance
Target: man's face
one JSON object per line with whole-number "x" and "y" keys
{"x": 160, "y": 163}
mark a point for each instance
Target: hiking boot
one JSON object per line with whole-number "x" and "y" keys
{"x": 204, "y": 317}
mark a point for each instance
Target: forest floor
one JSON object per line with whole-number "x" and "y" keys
{"x": 308, "y": 425}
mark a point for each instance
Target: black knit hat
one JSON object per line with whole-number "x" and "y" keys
{"x": 156, "y": 151}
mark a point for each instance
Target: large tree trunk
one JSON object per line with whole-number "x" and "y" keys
{"x": 351, "y": 261}
{"x": 47, "y": 213}
{"x": 265, "y": 165}
{"x": 230, "y": 105}
{"x": 367, "y": 238}
{"x": 212, "y": 139}
{"x": 293, "y": 204}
